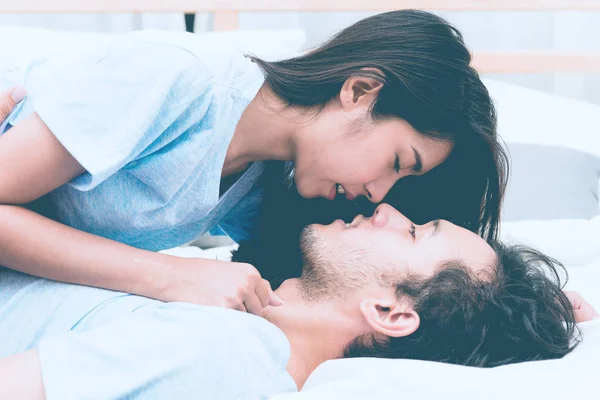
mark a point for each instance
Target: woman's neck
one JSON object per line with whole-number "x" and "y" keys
{"x": 265, "y": 131}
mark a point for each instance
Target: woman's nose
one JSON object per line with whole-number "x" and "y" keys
{"x": 376, "y": 191}
{"x": 374, "y": 196}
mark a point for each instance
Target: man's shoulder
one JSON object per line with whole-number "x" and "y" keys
{"x": 239, "y": 346}
{"x": 262, "y": 348}
{"x": 234, "y": 325}
{"x": 33, "y": 309}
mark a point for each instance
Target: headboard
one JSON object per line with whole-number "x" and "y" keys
{"x": 226, "y": 13}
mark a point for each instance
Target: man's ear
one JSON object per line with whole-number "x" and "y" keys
{"x": 390, "y": 318}
{"x": 360, "y": 90}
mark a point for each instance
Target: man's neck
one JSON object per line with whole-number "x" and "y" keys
{"x": 317, "y": 332}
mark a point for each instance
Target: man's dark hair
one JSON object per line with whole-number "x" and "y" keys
{"x": 427, "y": 79}
{"x": 520, "y": 314}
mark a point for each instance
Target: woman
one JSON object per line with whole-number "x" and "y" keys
{"x": 156, "y": 138}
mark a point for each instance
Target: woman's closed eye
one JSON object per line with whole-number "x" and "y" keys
{"x": 412, "y": 231}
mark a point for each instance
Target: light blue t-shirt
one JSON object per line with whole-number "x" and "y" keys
{"x": 98, "y": 344}
{"x": 150, "y": 116}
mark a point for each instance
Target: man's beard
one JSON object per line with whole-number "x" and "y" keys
{"x": 327, "y": 272}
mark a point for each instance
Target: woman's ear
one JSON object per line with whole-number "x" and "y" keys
{"x": 360, "y": 90}
{"x": 390, "y": 318}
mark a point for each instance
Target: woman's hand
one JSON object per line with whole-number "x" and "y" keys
{"x": 9, "y": 99}
{"x": 225, "y": 284}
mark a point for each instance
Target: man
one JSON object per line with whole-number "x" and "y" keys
{"x": 380, "y": 287}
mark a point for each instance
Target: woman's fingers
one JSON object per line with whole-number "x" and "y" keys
{"x": 274, "y": 300}
{"x": 9, "y": 99}
{"x": 263, "y": 292}
{"x": 253, "y": 304}
{"x": 262, "y": 297}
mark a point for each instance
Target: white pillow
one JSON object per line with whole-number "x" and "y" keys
{"x": 29, "y": 43}
{"x": 26, "y": 44}
{"x": 269, "y": 44}
{"x": 527, "y": 116}
{"x": 573, "y": 242}
{"x": 574, "y": 377}
{"x": 534, "y": 117}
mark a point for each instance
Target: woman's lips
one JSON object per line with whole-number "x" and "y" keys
{"x": 340, "y": 189}
{"x": 332, "y": 193}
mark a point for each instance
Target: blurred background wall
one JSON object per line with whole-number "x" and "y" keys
{"x": 568, "y": 31}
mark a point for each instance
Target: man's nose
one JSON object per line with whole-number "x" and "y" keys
{"x": 387, "y": 215}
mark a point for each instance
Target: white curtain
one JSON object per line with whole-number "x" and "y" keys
{"x": 565, "y": 31}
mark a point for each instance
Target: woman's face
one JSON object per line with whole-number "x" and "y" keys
{"x": 342, "y": 146}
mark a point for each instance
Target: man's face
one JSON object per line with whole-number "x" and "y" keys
{"x": 382, "y": 250}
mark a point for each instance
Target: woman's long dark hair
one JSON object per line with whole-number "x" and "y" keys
{"x": 427, "y": 81}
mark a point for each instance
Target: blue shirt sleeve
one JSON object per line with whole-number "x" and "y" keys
{"x": 118, "y": 103}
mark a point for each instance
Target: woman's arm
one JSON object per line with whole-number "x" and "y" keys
{"x": 39, "y": 246}
{"x": 42, "y": 247}
{"x": 33, "y": 162}
{"x": 21, "y": 377}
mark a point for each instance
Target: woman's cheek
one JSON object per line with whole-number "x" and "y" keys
{"x": 364, "y": 174}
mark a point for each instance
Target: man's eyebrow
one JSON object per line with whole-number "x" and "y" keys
{"x": 418, "y": 162}
{"x": 436, "y": 225}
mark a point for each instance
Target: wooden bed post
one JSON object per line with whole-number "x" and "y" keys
{"x": 190, "y": 21}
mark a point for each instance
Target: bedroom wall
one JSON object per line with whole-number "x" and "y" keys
{"x": 566, "y": 31}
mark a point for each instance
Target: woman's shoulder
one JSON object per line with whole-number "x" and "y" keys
{"x": 227, "y": 65}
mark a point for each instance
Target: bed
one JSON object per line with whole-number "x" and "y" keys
{"x": 552, "y": 200}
